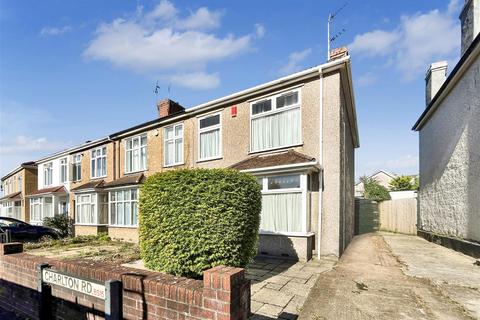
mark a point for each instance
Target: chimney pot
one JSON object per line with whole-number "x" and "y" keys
{"x": 434, "y": 79}
{"x": 470, "y": 21}
{"x": 338, "y": 53}
{"x": 168, "y": 107}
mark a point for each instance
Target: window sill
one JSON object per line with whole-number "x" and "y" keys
{"x": 276, "y": 149}
{"x": 91, "y": 224}
{"x": 174, "y": 165}
{"x": 209, "y": 159}
{"x": 123, "y": 227}
{"x": 97, "y": 178}
{"x": 287, "y": 234}
{"x": 134, "y": 172}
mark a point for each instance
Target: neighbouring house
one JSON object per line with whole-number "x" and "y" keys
{"x": 16, "y": 186}
{"x": 381, "y": 176}
{"x": 449, "y": 131}
{"x": 296, "y": 134}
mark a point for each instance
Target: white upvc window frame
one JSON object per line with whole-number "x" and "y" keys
{"x": 47, "y": 171}
{"x": 37, "y": 201}
{"x": 95, "y": 202}
{"x": 305, "y": 200}
{"x": 273, "y": 111}
{"x": 174, "y": 140}
{"x": 209, "y": 129}
{"x": 77, "y": 163}
{"x": 92, "y": 159}
{"x": 139, "y": 148}
{"x": 116, "y": 201}
{"x": 63, "y": 168}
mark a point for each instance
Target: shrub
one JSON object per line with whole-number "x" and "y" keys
{"x": 373, "y": 190}
{"x": 402, "y": 183}
{"x": 62, "y": 223}
{"x": 195, "y": 219}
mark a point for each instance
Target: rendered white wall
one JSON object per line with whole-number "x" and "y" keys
{"x": 449, "y": 194}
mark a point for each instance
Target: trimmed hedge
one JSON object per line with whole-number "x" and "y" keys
{"x": 195, "y": 219}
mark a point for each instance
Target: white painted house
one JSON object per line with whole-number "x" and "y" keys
{"x": 51, "y": 197}
{"x": 449, "y": 131}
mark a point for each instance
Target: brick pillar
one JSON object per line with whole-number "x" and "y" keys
{"x": 10, "y": 248}
{"x": 226, "y": 293}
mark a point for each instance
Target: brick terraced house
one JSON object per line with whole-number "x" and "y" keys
{"x": 16, "y": 186}
{"x": 296, "y": 134}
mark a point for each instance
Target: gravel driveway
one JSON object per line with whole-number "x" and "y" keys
{"x": 386, "y": 276}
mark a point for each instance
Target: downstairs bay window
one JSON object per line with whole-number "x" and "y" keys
{"x": 91, "y": 209}
{"x": 123, "y": 207}
{"x": 285, "y": 204}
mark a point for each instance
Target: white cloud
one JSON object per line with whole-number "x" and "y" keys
{"x": 26, "y": 145}
{"x": 367, "y": 79}
{"x": 161, "y": 41}
{"x": 196, "y": 80}
{"x": 294, "y": 60}
{"x": 260, "y": 30}
{"x": 54, "y": 31}
{"x": 26, "y": 134}
{"x": 377, "y": 42}
{"x": 419, "y": 40}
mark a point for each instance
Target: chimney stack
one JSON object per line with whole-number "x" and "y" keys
{"x": 338, "y": 53}
{"x": 434, "y": 79}
{"x": 470, "y": 20}
{"x": 168, "y": 107}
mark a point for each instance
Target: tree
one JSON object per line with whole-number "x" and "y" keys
{"x": 402, "y": 183}
{"x": 374, "y": 190}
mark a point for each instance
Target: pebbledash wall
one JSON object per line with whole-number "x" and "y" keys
{"x": 449, "y": 190}
{"x": 224, "y": 293}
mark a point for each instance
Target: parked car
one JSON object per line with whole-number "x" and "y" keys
{"x": 22, "y": 231}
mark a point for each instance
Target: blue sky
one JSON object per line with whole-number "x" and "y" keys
{"x": 72, "y": 71}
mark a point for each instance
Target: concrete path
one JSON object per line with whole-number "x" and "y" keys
{"x": 280, "y": 287}
{"x": 386, "y": 276}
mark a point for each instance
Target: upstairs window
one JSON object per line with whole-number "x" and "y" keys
{"x": 209, "y": 137}
{"x": 20, "y": 184}
{"x": 276, "y": 122}
{"x": 63, "y": 170}
{"x": 47, "y": 174}
{"x": 173, "y": 136}
{"x": 77, "y": 167}
{"x": 99, "y": 162}
{"x": 136, "y": 154}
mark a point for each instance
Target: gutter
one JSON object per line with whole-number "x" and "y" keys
{"x": 460, "y": 68}
{"x": 241, "y": 95}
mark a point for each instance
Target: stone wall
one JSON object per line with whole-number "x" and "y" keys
{"x": 224, "y": 293}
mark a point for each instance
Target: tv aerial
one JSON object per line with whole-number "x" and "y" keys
{"x": 331, "y": 39}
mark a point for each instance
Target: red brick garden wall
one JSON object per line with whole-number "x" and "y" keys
{"x": 224, "y": 292}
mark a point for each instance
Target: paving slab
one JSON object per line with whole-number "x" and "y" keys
{"x": 268, "y": 300}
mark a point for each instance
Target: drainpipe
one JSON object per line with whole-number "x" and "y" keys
{"x": 320, "y": 175}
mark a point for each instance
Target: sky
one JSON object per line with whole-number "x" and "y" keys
{"x": 72, "y": 71}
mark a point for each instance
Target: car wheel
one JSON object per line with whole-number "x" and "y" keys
{"x": 46, "y": 238}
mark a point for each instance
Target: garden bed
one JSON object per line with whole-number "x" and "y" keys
{"x": 97, "y": 248}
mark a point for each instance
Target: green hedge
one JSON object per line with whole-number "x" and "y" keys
{"x": 195, "y": 219}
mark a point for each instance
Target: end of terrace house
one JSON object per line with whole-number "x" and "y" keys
{"x": 296, "y": 134}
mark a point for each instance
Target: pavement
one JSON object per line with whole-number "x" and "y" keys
{"x": 393, "y": 276}
{"x": 280, "y": 287}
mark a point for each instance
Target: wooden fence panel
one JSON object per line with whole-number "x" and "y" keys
{"x": 399, "y": 215}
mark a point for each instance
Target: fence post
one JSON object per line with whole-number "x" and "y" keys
{"x": 45, "y": 308}
{"x": 113, "y": 300}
